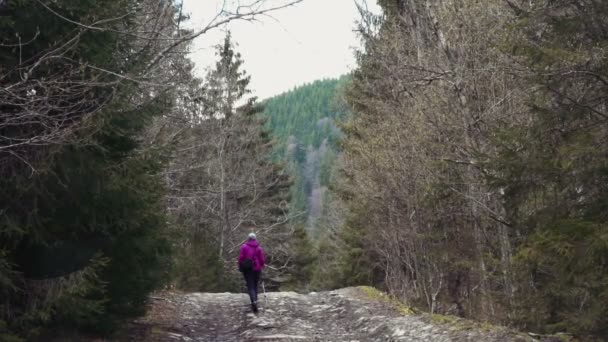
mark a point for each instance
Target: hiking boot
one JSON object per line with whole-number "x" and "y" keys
{"x": 254, "y": 307}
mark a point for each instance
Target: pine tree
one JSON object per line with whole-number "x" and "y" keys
{"x": 304, "y": 258}
{"x": 556, "y": 180}
{"x": 82, "y": 230}
{"x": 304, "y": 123}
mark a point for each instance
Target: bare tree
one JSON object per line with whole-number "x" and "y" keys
{"x": 49, "y": 93}
{"x": 430, "y": 91}
{"x": 222, "y": 184}
{"x": 53, "y": 95}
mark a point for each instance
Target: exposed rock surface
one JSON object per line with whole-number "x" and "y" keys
{"x": 347, "y": 315}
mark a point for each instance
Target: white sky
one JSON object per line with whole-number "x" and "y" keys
{"x": 314, "y": 39}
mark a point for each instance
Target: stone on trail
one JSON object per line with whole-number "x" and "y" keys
{"x": 346, "y": 315}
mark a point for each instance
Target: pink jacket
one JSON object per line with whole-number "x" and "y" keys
{"x": 252, "y": 250}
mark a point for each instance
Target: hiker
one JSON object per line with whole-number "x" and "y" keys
{"x": 251, "y": 262}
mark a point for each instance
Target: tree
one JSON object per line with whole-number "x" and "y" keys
{"x": 430, "y": 89}
{"x": 474, "y": 165}
{"x": 223, "y": 183}
{"x": 304, "y": 124}
{"x": 86, "y": 90}
{"x": 553, "y": 166}
{"x": 82, "y": 228}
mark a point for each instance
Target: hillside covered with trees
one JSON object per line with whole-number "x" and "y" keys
{"x": 305, "y": 125}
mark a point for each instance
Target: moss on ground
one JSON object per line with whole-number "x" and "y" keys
{"x": 375, "y": 294}
{"x": 453, "y": 322}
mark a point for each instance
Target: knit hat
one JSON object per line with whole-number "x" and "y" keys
{"x": 251, "y": 236}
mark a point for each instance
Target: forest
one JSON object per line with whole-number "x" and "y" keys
{"x": 461, "y": 166}
{"x": 304, "y": 123}
{"x": 474, "y": 166}
{"x": 122, "y": 171}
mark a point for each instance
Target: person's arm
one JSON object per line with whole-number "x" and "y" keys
{"x": 241, "y": 255}
{"x": 262, "y": 259}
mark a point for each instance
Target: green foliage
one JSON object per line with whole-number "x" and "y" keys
{"x": 198, "y": 268}
{"x": 304, "y": 123}
{"x": 84, "y": 295}
{"x": 304, "y": 257}
{"x": 375, "y": 294}
{"x": 82, "y": 238}
{"x": 6, "y": 335}
{"x": 325, "y": 273}
{"x": 307, "y": 113}
{"x": 554, "y": 168}
{"x": 491, "y": 176}
{"x": 102, "y": 198}
{"x": 356, "y": 265}
{"x": 568, "y": 270}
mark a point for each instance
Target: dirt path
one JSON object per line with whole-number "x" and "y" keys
{"x": 347, "y": 315}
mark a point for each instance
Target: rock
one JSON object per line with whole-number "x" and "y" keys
{"x": 178, "y": 337}
{"x": 279, "y": 337}
{"x": 398, "y": 333}
{"x": 346, "y": 315}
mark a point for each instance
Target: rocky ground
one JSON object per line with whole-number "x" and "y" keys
{"x": 349, "y": 315}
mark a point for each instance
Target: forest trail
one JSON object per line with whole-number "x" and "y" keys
{"x": 349, "y": 315}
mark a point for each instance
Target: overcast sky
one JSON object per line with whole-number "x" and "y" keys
{"x": 300, "y": 44}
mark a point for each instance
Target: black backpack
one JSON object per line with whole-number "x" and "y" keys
{"x": 247, "y": 264}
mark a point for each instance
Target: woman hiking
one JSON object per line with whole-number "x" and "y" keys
{"x": 251, "y": 261}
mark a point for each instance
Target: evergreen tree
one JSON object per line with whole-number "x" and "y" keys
{"x": 476, "y": 159}
{"x": 422, "y": 221}
{"x": 304, "y": 123}
{"x": 303, "y": 263}
{"x": 82, "y": 230}
{"x": 553, "y": 166}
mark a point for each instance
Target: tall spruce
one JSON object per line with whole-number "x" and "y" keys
{"x": 304, "y": 123}
{"x": 553, "y": 168}
{"x": 82, "y": 223}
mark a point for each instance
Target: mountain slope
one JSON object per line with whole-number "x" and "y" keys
{"x": 303, "y": 123}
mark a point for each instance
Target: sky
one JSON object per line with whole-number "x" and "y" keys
{"x": 312, "y": 40}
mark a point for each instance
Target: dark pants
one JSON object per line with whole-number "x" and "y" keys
{"x": 252, "y": 278}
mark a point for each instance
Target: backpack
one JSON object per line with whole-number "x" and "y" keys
{"x": 247, "y": 264}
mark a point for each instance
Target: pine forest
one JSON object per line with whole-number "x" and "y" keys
{"x": 461, "y": 166}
